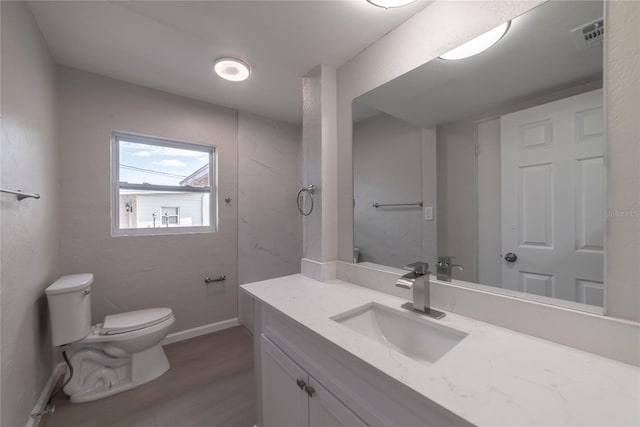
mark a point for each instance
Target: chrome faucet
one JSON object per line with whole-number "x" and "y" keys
{"x": 445, "y": 267}
{"x": 418, "y": 281}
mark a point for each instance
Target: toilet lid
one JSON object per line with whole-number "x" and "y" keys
{"x": 134, "y": 320}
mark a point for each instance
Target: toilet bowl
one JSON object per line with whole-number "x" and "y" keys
{"x": 122, "y": 352}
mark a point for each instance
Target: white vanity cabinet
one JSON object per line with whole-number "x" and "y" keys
{"x": 305, "y": 380}
{"x": 292, "y": 398}
{"x": 327, "y": 411}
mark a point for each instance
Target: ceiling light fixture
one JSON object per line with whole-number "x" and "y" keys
{"x": 390, "y": 4}
{"x": 232, "y": 69}
{"x": 477, "y": 45}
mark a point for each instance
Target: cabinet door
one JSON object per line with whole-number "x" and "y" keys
{"x": 327, "y": 411}
{"x": 284, "y": 402}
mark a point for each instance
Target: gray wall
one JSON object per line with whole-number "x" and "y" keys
{"x": 269, "y": 225}
{"x": 394, "y": 161}
{"x": 469, "y": 199}
{"x": 30, "y": 228}
{"x": 387, "y": 154}
{"x": 457, "y": 195}
{"x": 489, "y": 247}
{"x": 430, "y": 196}
{"x": 387, "y": 168}
{"x": 135, "y": 272}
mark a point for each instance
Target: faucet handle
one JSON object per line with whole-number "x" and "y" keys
{"x": 420, "y": 268}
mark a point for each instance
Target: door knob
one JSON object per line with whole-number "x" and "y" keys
{"x": 510, "y": 257}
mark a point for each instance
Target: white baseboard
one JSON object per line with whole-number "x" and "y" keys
{"x": 200, "y": 330}
{"x": 58, "y": 371}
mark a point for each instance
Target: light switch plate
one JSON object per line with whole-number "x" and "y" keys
{"x": 428, "y": 213}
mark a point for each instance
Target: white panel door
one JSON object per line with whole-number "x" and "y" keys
{"x": 327, "y": 411}
{"x": 553, "y": 199}
{"x": 284, "y": 403}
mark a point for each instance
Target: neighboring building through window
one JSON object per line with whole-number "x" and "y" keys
{"x": 162, "y": 186}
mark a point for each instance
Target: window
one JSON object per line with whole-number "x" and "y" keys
{"x": 170, "y": 216}
{"x": 162, "y": 186}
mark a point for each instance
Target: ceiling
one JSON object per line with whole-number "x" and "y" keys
{"x": 171, "y": 45}
{"x": 536, "y": 57}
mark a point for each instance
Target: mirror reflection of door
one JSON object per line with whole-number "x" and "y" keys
{"x": 553, "y": 199}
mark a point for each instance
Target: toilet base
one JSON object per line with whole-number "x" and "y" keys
{"x": 98, "y": 375}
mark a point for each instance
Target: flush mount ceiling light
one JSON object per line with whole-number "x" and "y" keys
{"x": 232, "y": 69}
{"x": 477, "y": 45}
{"x": 389, "y": 4}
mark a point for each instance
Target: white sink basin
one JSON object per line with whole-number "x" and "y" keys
{"x": 422, "y": 340}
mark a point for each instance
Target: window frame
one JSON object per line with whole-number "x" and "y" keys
{"x": 212, "y": 190}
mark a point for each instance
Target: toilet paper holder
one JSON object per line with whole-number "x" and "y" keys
{"x": 220, "y": 278}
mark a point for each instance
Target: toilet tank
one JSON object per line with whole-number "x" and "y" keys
{"x": 70, "y": 308}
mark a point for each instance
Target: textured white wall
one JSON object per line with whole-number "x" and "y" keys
{"x": 319, "y": 145}
{"x": 622, "y": 98}
{"x": 134, "y": 272}
{"x": 269, "y": 225}
{"x": 329, "y": 143}
{"x": 312, "y": 162}
{"x": 30, "y": 228}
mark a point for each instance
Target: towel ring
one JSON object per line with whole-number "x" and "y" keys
{"x": 308, "y": 189}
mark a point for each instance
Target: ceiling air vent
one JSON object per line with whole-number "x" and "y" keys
{"x": 589, "y": 35}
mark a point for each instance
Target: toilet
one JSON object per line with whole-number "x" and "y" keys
{"x": 122, "y": 352}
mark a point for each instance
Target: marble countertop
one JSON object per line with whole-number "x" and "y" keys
{"x": 494, "y": 376}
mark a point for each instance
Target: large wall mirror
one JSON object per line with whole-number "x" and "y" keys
{"x": 496, "y": 159}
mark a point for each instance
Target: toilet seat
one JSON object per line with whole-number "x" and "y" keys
{"x": 134, "y": 320}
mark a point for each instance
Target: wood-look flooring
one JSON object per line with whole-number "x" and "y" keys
{"x": 210, "y": 384}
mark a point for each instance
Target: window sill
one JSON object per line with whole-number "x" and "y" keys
{"x": 172, "y": 231}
